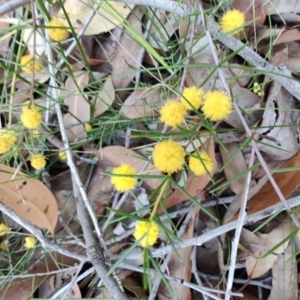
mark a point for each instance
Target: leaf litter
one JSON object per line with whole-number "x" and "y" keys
{"x": 111, "y": 89}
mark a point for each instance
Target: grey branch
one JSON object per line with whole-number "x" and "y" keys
{"x": 11, "y": 5}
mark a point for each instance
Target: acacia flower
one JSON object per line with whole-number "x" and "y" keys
{"x": 4, "y": 245}
{"x": 192, "y": 97}
{"x": 9, "y": 134}
{"x": 217, "y": 105}
{"x": 5, "y": 144}
{"x": 4, "y": 229}
{"x": 88, "y": 127}
{"x": 172, "y": 113}
{"x": 30, "y": 242}
{"x": 146, "y": 232}
{"x": 201, "y": 164}
{"x": 232, "y": 21}
{"x": 123, "y": 183}
{"x": 168, "y": 156}
{"x": 31, "y": 117}
{"x": 38, "y": 161}
{"x": 57, "y": 30}
{"x": 29, "y": 64}
{"x": 62, "y": 155}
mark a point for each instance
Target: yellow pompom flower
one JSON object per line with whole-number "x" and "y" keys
{"x": 4, "y": 245}
{"x": 168, "y": 156}
{"x": 232, "y": 21}
{"x": 62, "y": 155}
{"x": 9, "y": 134}
{"x": 192, "y": 97}
{"x": 201, "y": 164}
{"x": 88, "y": 127}
{"x": 38, "y": 161}
{"x": 4, "y": 229}
{"x": 31, "y": 117}
{"x": 5, "y": 144}
{"x": 217, "y": 105}
{"x": 146, "y": 232}
{"x": 57, "y": 30}
{"x": 123, "y": 183}
{"x": 36, "y": 133}
{"x": 172, "y": 113}
{"x": 29, "y": 64}
{"x": 30, "y": 242}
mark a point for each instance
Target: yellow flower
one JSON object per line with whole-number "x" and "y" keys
{"x": 62, "y": 155}
{"x": 31, "y": 117}
{"x": 4, "y": 245}
{"x": 30, "y": 242}
{"x": 4, "y": 229}
{"x": 217, "y": 105}
{"x": 123, "y": 183}
{"x": 57, "y": 30}
{"x": 36, "y": 133}
{"x": 88, "y": 127}
{"x": 192, "y": 97}
{"x": 146, "y": 232}
{"x": 5, "y": 144}
{"x": 201, "y": 164}
{"x": 9, "y": 134}
{"x": 232, "y": 21}
{"x": 38, "y": 161}
{"x": 168, "y": 156}
{"x": 29, "y": 64}
{"x": 172, "y": 113}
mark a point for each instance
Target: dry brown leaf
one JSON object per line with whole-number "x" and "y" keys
{"x": 105, "y": 98}
{"x": 284, "y": 276}
{"x": 142, "y": 104}
{"x": 79, "y": 108}
{"x": 29, "y": 198}
{"x": 236, "y": 166}
{"x": 194, "y": 184}
{"x": 126, "y": 59}
{"x": 110, "y": 15}
{"x": 116, "y": 155}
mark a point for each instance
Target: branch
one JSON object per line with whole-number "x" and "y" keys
{"x": 11, "y": 5}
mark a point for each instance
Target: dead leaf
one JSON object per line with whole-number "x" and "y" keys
{"x": 29, "y": 198}
{"x": 142, "y": 103}
{"x": 116, "y": 155}
{"x": 126, "y": 62}
{"x": 110, "y": 15}
{"x": 105, "y": 98}
{"x": 236, "y": 166}
{"x": 284, "y": 276}
{"x": 280, "y": 7}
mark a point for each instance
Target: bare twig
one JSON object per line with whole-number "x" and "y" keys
{"x": 38, "y": 234}
{"x": 11, "y": 5}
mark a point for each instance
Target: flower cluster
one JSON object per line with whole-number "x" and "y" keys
{"x": 123, "y": 183}
{"x": 146, "y": 233}
{"x": 4, "y": 229}
{"x": 172, "y": 113}
{"x": 29, "y": 64}
{"x": 8, "y": 137}
{"x": 201, "y": 163}
{"x": 217, "y": 105}
{"x": 31, "y": 117}
{"x": 38, "y": 161}
{"x": 57, "y": 30}
{"x": 30, "y": 242}
{"x": 232, "y": 21}
{"x": 192, "y": 98}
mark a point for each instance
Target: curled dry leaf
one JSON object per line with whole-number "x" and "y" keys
{"x": 278, "y": 131}
{"x": 116, "y": 155}
{"x": 110, "y": 15}
{"x": 29, "y": 198}
{"x": 79, "y": 108}
{"x": 105, "y": 98}
{"x": 142, "y": 104}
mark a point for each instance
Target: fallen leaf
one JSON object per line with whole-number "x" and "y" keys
{"x": 110, "y": 15}
{"x": 105, "y": 98}
{"x": 29, "y": 198}
{"x": 142, "y": 103}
